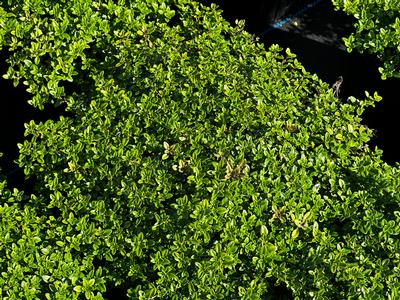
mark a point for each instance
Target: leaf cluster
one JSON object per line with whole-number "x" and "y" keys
{"x": 377, "y": 31}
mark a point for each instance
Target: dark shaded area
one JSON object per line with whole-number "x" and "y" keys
{"x": 316, "y": 21}
{"x": 279, "y": 292}
{"x": 259, "y": 14}
{"x": 116, "y": 293}
{"x": 176, "y": 19}
{"x": 14, "y": 112}
{"x": 316, "y": 37}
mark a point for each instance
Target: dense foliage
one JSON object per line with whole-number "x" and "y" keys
{"x": 377, "y": 30}
{"x": 39, "y": 259}
{"x": 193, "y": 163}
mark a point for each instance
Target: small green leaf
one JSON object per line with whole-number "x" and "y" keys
{"x": 341, "y": 183}
{"x": 295, "y": 233}
{"x": 339, "y": 136}
{"x": 315, "y": 229}
{"x": 264, "y": 230}
{"x": 350, "y": 128}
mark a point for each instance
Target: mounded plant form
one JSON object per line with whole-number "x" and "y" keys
{"x": 193, "y": 163}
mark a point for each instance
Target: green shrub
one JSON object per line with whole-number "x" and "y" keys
{"x": 377, "y": 31}
{"x": 38, "y": 256}
{"x": 195, "y": 164}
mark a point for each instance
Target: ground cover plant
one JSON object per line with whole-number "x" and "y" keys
{"x": 193, "y": 163}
